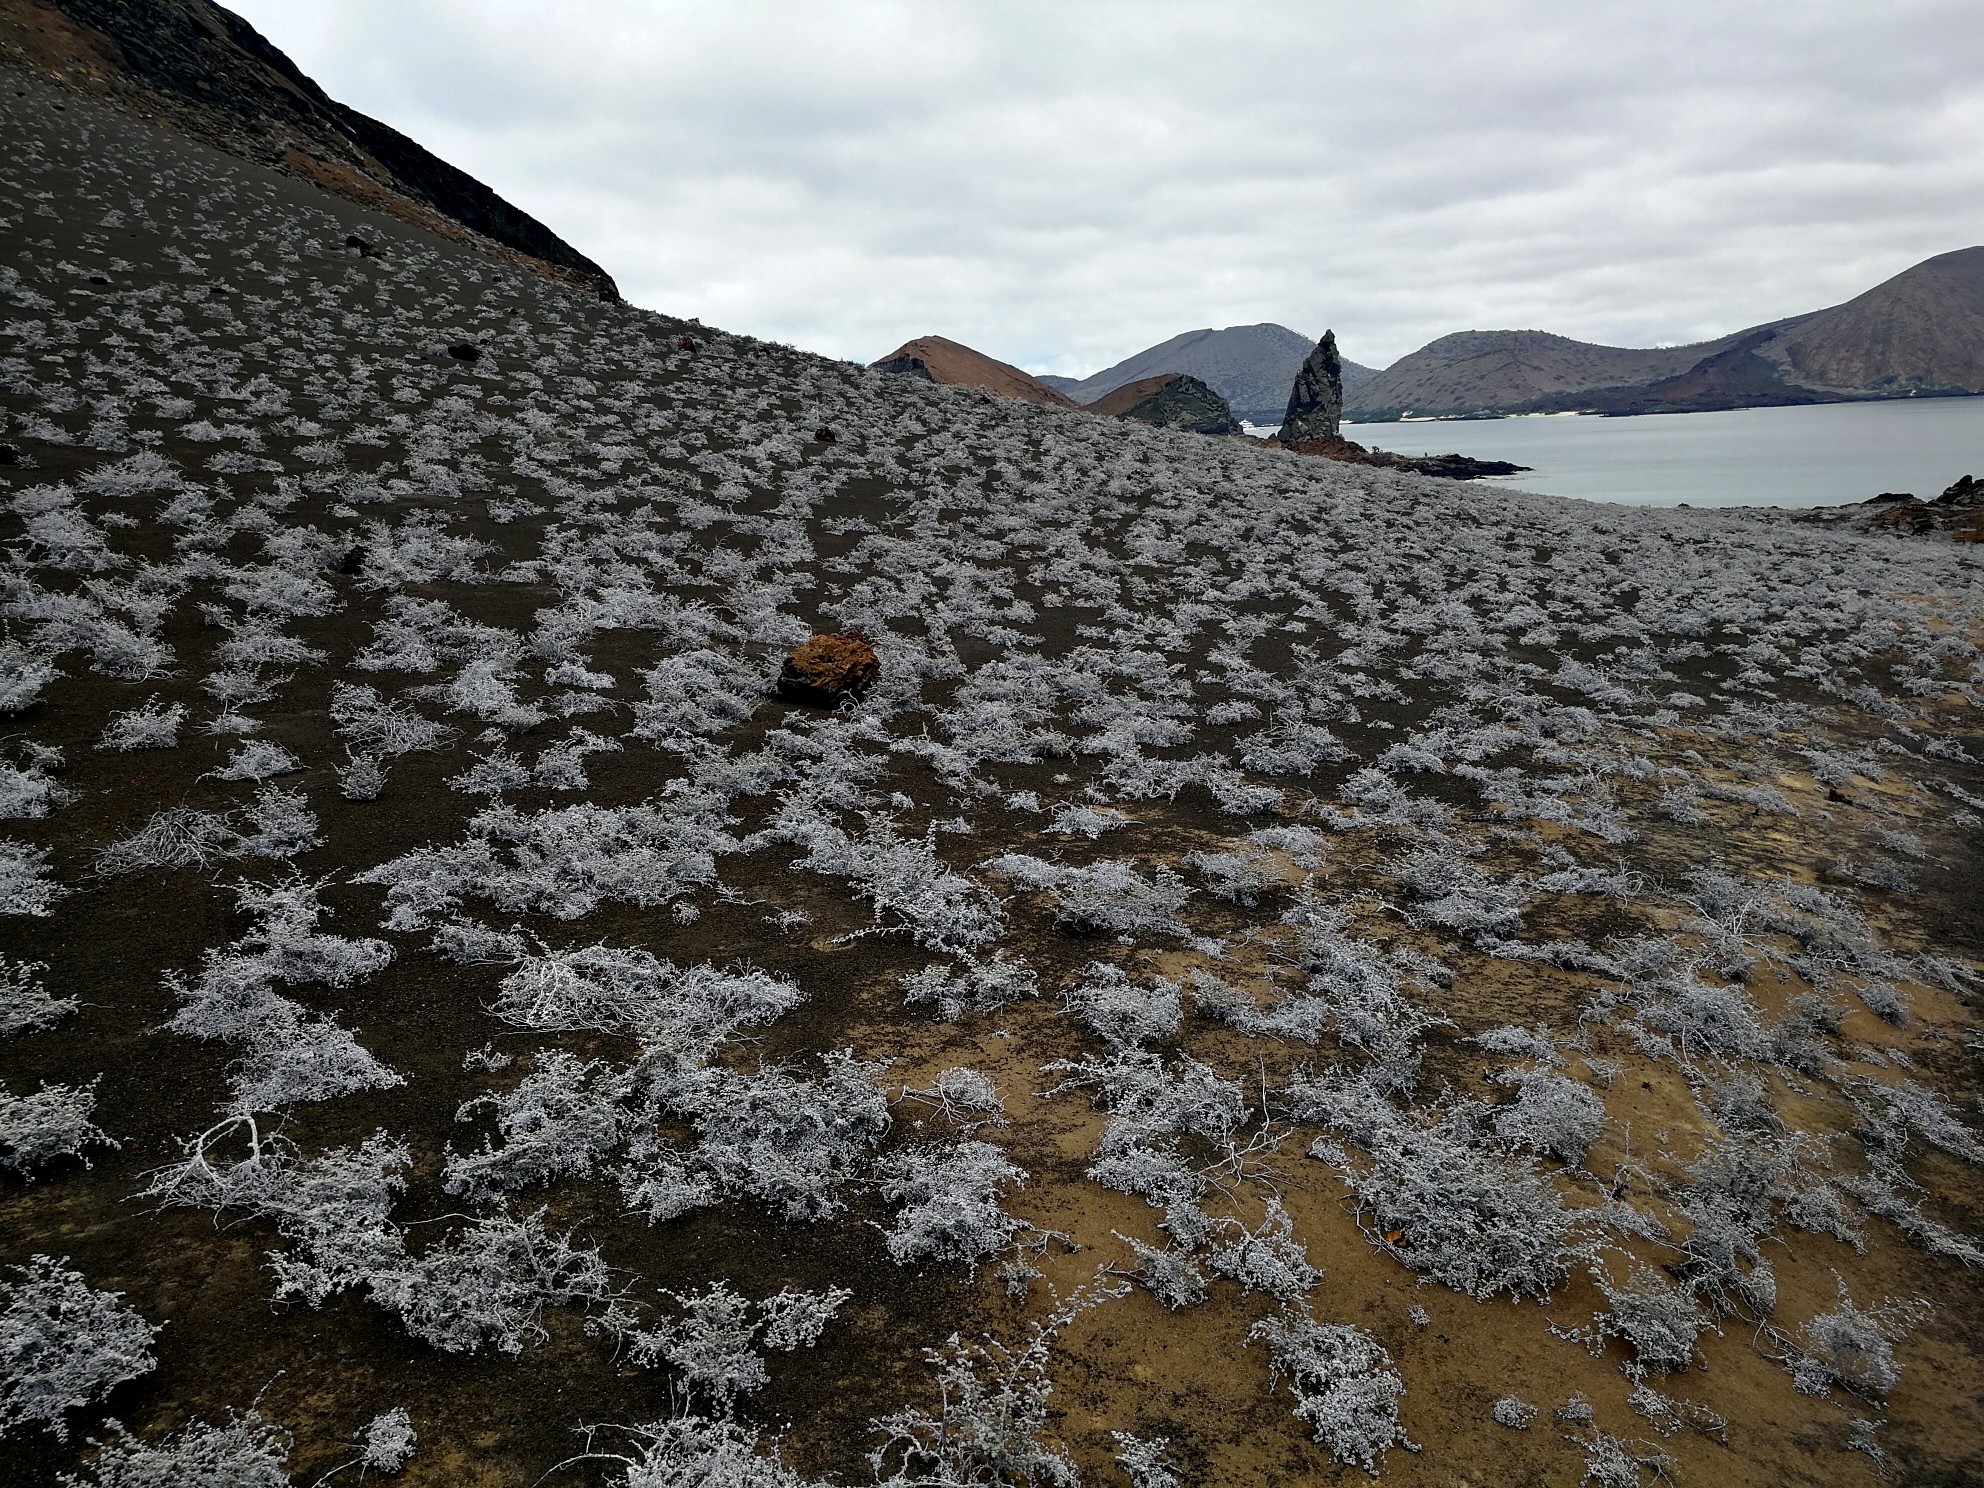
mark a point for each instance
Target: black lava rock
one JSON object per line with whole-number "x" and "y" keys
{"x": 1315, "y": 403}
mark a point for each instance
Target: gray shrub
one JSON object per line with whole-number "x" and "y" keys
{"x": 63, "y": 1346}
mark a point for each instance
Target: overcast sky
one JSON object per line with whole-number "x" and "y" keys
{"x": 1063, "y": 183}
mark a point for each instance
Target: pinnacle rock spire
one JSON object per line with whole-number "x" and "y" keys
{"x": 1315, "y": 404}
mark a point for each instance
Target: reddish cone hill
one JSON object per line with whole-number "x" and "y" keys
{"x": 937, "y": 359}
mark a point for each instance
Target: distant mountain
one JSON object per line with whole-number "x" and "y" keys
{"x": 1499, "y": 371}
{"x": 208, "y": 72}
{"x": 1921, "y": 332}
{"x": 938, "y": 359}
{"x": 1252, "y": 367}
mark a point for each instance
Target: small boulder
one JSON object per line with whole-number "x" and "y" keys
{"x": 1967, "y": 491}
{"x": 827, "y": 668}
{"x": 10, "y": 454}
{"x": 365, "y": 249}
{"x": 687, "y": 343}
{"x": 465, "y": 351}
{"x": 824, "y": 435}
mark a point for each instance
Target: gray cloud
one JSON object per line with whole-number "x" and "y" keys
{"x": 1061, "y": 184}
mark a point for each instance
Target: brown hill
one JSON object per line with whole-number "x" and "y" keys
{"x": 192, "y": 65}
{"x": 938, "y": 359}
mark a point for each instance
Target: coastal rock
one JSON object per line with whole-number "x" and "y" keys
{"x": 827, "y": 668}
{"x": 1907, "y": 515}
{"x": 1315, "y": 405}
{"x": 1450, "y": 467}
{"x": 1171, "y": 400}
{"x": 1957, "y": 513}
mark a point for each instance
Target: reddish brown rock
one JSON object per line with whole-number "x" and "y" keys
{"x": 1906, "y": 515}
{"x": 938, "y": 359}
{"x": 827, "y": 668}
{"x": 1348, "y": 451}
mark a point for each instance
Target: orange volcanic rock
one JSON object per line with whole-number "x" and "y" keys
{"x": 827, "y": 668}
{"x": 936, "y": 359}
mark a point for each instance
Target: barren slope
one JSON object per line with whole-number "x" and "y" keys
{"x": 197, "y": 66}
{"x": 1268, "y": 918}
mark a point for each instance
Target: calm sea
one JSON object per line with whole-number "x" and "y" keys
{"x": 1812, "y": 456}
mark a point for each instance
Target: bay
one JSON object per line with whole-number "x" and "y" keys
{"x": 1816, "y": 455}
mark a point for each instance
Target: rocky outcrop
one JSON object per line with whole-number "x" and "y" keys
{"x": 209, "y": 72}
{"x": 1251, "y": 367}
{"x": 1315, "y": 404}
{"x": 1450, "y": 467}
{"x": 902, "y": 365}
{"x": 1170, "y": 400}
{"x": 827, "y": 668}
{"x": 1958, "y": 512}
{"x": 938, "y": 359}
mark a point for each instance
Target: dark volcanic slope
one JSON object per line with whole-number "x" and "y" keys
{"x": 1266, "y": 916}
{"x": 210, "y": 71}
{"x": 1251, "y": 367}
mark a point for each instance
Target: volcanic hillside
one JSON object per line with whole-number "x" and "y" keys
{"x": 194, "y": 66}
{"x": 1920, "y": 332}
{"x": 1267, "y": 918}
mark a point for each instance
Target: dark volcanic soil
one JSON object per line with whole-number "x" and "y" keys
{"x": 1384, "y": 853}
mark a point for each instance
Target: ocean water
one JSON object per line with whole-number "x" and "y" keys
{"x": 1818, "y": 455}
